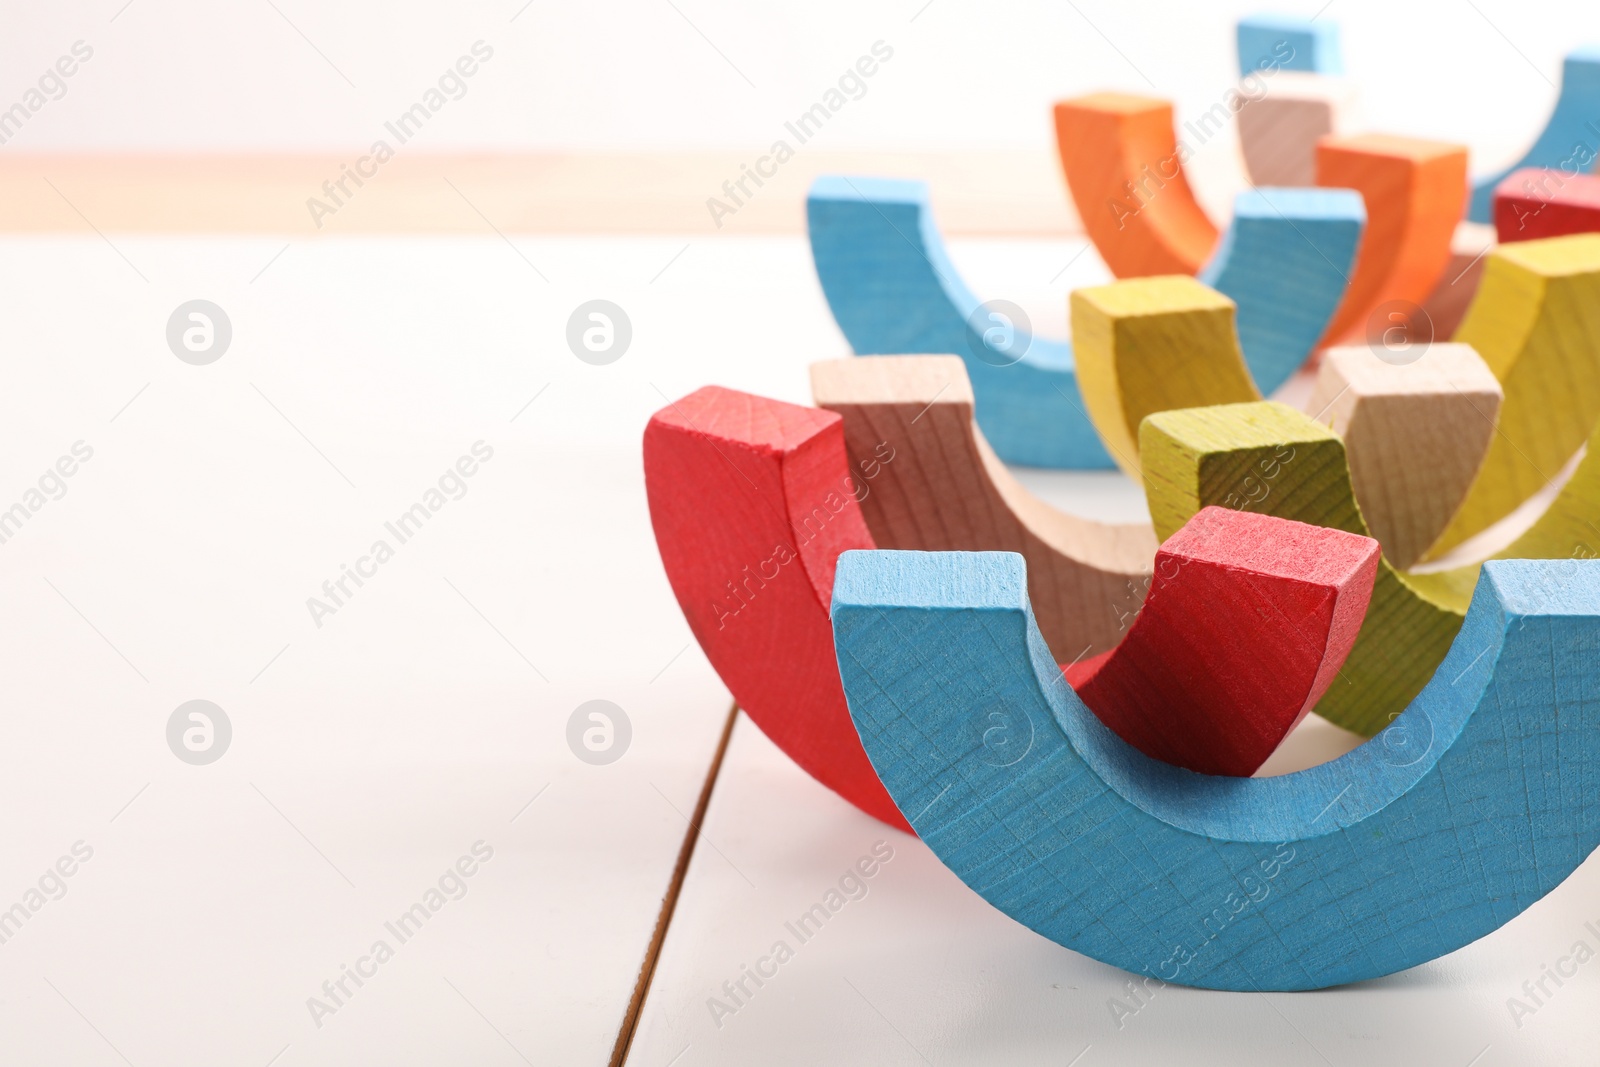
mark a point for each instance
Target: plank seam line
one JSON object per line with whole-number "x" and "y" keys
{"x": 669, "y": 903}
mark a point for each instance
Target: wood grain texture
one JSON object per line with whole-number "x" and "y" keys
{"x": 1478, "y": 801}
{"x": 1246, "y": 624}
{"x": 892, "y": 289}
{"x": 1569, "y": 140}
{"x": 1414, "y": 433}
{"x": 946, "y": 489}
{"x": 1414, "y": 192}
{"x": 752, "y": 501}
{"x": 1124, "y": 168}
{"x": 1273, "y": 460}
{"x": 1285, "y": 261}
{"x": 1280, "y": 128}
{"x": 1536, "y": 323}
{"x": 1150, "y": 344}
{"x": 1537, "y": 308}
{"x": 1534, "y": 203}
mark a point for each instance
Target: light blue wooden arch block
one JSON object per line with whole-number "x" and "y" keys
{"x": 1285, "y": 261}
{"x": 1315, "y": 44}
{"x": 1571, "y": 139}
{"x": 893, "y": 291}
{"x": 1480, "y": 798}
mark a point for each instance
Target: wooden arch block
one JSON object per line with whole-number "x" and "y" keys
{"x": 1288, "y": 43}
{"x": 1304, "y": 101}
{"x": 752, "y": 500}
{"x": 946, "y": 489}
{"x": 1414, "y": 192}
{"x": 893, "y": 290}
{"x": 1273, "y": 460}
{"x": 1570, "y": 139}
{"x": 1125, "y": 169}
{"x": 1279, "y": 129}
{"x": 1536, "y": 323}
{"x": 1287, "y": 597}
{"x": 1534, "y": 203}
{"x": 1568, "y": 527}
{"x": 1447, "y": 305}
{"x": 1464, "y": 813}
{"x": 1561, "y": 522}
{"x": 1285, "y": 262}
{"x": 1414, "y": 433}
{"x": 1150, "y": 344}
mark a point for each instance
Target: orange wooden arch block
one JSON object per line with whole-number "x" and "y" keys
{"x": 1415, "y": 192}
{"x": 1125, "y": 169}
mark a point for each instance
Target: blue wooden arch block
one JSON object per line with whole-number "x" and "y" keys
{"x": 1571, "y": 139}
{"x": 1285, "y": 261}
{"x": 893, "y": 291}
{"x": 1313, "y": 46}
{"x": 1479, "y": 799}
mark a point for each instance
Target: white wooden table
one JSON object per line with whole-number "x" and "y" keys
{"x": 429, "y": 712}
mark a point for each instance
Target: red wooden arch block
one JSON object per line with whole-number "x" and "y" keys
{"x": 753, "y": 500}
{"x": 1533, "y": 203}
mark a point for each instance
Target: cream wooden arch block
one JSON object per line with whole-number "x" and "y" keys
{"x": 1410, "y": 462}
{"x": 945, "y": 489}
{"x": 1279, "y": 130}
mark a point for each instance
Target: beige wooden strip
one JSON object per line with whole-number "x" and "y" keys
{"x": 981, "y": 192}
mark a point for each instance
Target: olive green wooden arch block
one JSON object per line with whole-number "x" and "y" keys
{"x": 1269, "y": 458}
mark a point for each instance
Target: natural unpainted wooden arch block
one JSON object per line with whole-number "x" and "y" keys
{"x": 1476, "y": 802}
{"x": 946, "y": 489}
{"x": 1414, "y": 433}
{"x": 1149, "y": 344}
{"x": 1280, "y": 128}
{"x": 1415, "y": 191}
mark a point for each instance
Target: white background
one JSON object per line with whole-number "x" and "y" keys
{"x": 170, "y": 75}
